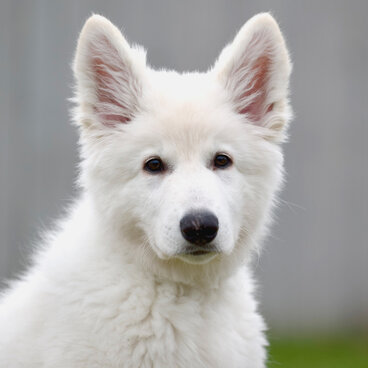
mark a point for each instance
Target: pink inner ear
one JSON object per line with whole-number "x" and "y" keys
{"x": 105, "y": 96}
{"x": 249, "y": 80}
{"x": 258, "y": 87}
{"x": 112, "y": 79}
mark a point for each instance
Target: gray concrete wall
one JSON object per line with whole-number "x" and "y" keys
{"x": 314, "y": 270}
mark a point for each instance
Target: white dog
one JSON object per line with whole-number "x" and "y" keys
{"x": 179, "y": 173}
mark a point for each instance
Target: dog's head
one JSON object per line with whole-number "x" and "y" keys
{"x": 184, "y": 167}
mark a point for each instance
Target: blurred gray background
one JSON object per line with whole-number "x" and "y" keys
{"x": 313, "y": 274}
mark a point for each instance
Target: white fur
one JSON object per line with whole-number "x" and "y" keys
{"x": 109, "y": 288}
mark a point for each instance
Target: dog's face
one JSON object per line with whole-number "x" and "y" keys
{"x": 184, "y": 166}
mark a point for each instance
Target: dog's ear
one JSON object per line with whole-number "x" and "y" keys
{"x": 255, "y": 70}
{"x": 108, "y": 75}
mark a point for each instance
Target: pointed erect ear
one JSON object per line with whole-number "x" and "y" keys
{"x": 255, "y": 70}
{"x": 108, "y": 73}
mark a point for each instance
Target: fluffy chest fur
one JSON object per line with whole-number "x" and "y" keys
{"x": 161, "y": 324}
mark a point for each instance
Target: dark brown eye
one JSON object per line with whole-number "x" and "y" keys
{"x": 222, "y": 161}
{"x": 154, "y": 165}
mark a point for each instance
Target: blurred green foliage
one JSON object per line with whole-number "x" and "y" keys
{"x": 318, "y": 353}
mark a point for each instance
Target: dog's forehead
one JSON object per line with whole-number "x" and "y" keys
{"x": 187, "y": 108}
{"x": 181, "y": 85}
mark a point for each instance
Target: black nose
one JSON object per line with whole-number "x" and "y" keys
{"x": 199, "y": 228}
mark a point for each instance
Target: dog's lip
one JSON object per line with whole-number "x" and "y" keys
{"x": 198, "y": 257}
{"x": 199, "y": 251}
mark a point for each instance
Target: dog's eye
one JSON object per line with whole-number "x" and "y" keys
{"x": 222, "y": 161}
{"x": 154, "y": 165}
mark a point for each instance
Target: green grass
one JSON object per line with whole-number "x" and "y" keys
{"x": 318, "y": 353}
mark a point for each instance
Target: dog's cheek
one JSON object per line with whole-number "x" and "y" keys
{"x": 234, "y": 204}
{"x": 145, "y": 199}
{"x": 166, "y": 225}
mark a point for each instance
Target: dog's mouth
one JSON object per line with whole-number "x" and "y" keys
{"x": 198, "y": 252}
{"x": 195, "y": 255}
